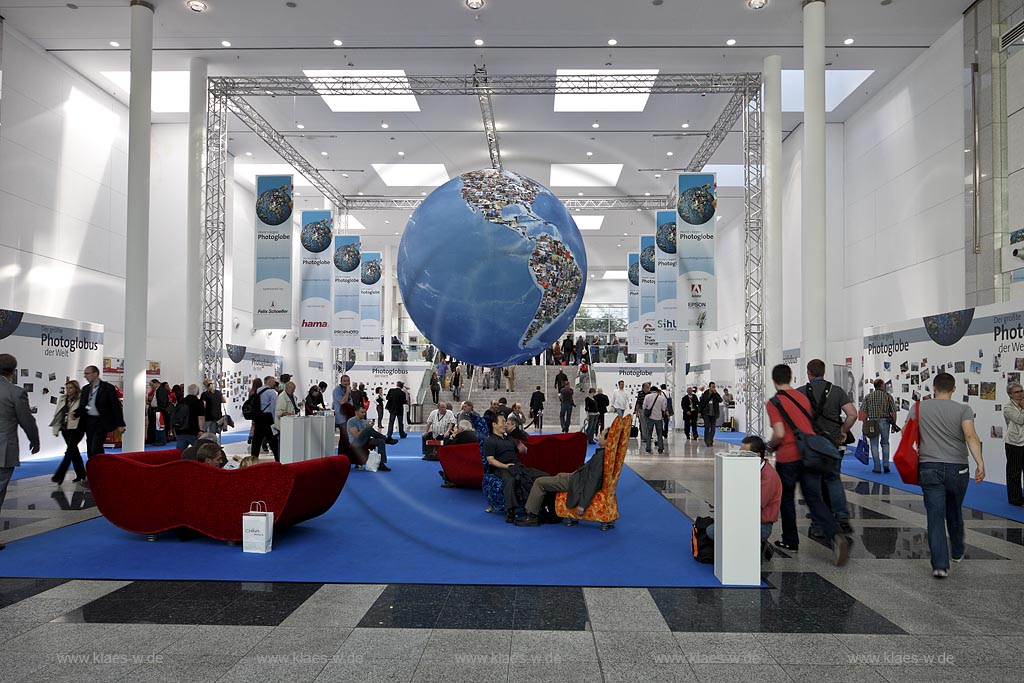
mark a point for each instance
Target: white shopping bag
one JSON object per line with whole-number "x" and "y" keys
{"x": 257, "y": 529}
{"x": 372, "y": 461}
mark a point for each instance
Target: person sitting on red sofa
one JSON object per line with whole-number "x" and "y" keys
{"x": 211, "y": 454}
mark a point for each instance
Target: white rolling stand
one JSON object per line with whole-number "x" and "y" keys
{"x": 292, "y": 439}
{"x": 319, "y": 436}
{"x": 738, "y": 519}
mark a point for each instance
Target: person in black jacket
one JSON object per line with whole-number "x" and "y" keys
{"x": 602, "y": 408}
{"x": 580, "y": 485}
{"x": 395, "y": 405}
{"x": 99, "y": 410}
{"x": 710, "y": 401}
{"x": 691, "y": 409}
{"x": 537, "y": 409}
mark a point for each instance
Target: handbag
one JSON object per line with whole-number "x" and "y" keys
{"x": 906, "y": 457}
{"x": 863, "y": 452}
{"x": 871, "y": 429}
{"x": 372, "y": 461}
{"x": 257, "y": 529}
{"x": 817, "y": 453}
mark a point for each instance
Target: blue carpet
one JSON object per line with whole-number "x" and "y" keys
{"x": 397, "y": 527}
{"x": 47, "y": 466}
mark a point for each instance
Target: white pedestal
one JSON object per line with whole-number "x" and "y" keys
{"x": 319, "y": 436}
{"x": 293, "y": 439}
{"x": 738, "y": 519}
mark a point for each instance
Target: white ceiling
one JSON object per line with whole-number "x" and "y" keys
{"x": 435, "y": 37}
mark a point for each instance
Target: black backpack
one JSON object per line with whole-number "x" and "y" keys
{"x": 702, "y": 544}
{"x": 179, "y": 418}
{"x": 252, "y": 405}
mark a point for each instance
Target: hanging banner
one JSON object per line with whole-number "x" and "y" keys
{"x": 316, "y": 238}
{"x": 648, "y": 296}
{"x": 667, "y": 274}
{"x": 698, "y": 288}
{"x": 371, "y": 291}
{"x": 272, "y": 305}
{"x": 242, "y": 365}
{"x": 347, "y": 259}
{"x": 633, "y": 337}
{"x": 50, "y": 351}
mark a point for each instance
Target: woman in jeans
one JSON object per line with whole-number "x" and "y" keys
{"x": 945, "y": 435}
{"x": 879, "y": 406}
{"x": 67, "y": 425}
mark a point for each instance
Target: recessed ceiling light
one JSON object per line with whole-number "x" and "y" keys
{"x": 423, "y": 194}
{"x": 225, "y": 43}
{"x": 323, "y": 154}
{"x": 590, "y": 154}
{"x": 396, "y": 233}
{"x": 248, "y": 154}
{"x": 668, "y": 154}
{"x": 639, "y": 209}
{"x": 114, "y": 43}
{"x": 383, "y": 124}
{"x": 848, "y": 41}
{"x": 612, "y": 41}
{"x": 757, "y": 4}
{"x": 686, "y": 125}
{"x": 595, "y": 124}
{"x": 647, "y": 194}
{"x": 730, "y": 42}
{"x": 338, "y": 43}
{"x": 401, "y": 154}
{"x": 297, "y": 194}
{"x": 344, "y": 175}
{"x": 579, "y": 194}
{"x": 478, "y": 42}
{"x": 359, "y": 193}
{"x": 299, "y": 126}
{"x": 197, "y": 5}
{"x": 657, "y": 175}
{"x": 474, "y": 4}
{"x": 387, "y": 222}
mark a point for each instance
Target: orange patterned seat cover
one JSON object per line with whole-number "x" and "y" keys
{"x": 604, "y": 507}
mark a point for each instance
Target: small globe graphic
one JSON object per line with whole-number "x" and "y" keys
{"x": 236, "y": 353}
{"x": 948, "y": 328}
{"x": 665, "y": 237}
{"x": 370, "y": 274}
{"x": 634, "y": 274}
{"x": 274, "y": 206}
{"x": 492, "y": 268}
{"x": 697, "y": 205}
{"x": 317, "y": 236}
{"x": 346, "y": 258}
{"x": 647, "y": 259}
{"x": 9, "y": 321}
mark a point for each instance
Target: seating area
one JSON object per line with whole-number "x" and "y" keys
{"x": 464, "y": 466}
{"x": 147, "y": 493}
{"x": 604, "y": 506}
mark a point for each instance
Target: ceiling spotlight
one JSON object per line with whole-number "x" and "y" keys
{"x": 478, "y": 42}
{"x": 338, "y": 43}
{"x": 638, "y": 209}
{"x": 344, "y": 175}
{"x": 612, "y": 41}
{"x": 114, "y": 43}
{"x": 423, "y": 194}
{"x": 225, "y": 43}
{"x": 475, "y": 4}
{"x": 298, "y": 194}
{"x": 387, "y": 222}
{"x": 248, "y": 154}
{"x": 299, "y": 126}
{"x": 579, "y": 194}
{"x": 848, "y": 41}
{"x": 668, "y": 154}
{"x": 590, "y": 154}
{"x": 595, "y": 124}
{"x": 686, "y": 125}
{"x": 323, "y": 154}
{"x": 197, "y": 5}
{"x": 757, "y": 4}
{"x": 383, "y": 124}
{"x": 647, "y": 194}
{"x": 730, "y": 42}
{"x": 359, "y": 193}
{"x": 657, "y": 175}
{"x": 401, "y": 154}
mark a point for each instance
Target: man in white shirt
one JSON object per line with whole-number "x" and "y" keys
{"x": 440, "y": 424}
{"x": 654, "y": 408}
{"x": 286, "y": 405}
{"x": 620, "y": 399}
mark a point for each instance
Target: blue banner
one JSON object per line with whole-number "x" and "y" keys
{"x": 371, "y": 291}
{"x": 648, "y": 295}
{"x": 667, "y": 268}
{"x": 316, "y": 238}
{"x": 272, "y": 301}
{"x": 633, "y": 299}
{"x": 347, "y": 266}
{"x": 696, "y": 222}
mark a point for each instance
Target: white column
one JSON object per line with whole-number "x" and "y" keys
{"x": 194, "y": 235}
{"x": 813, "y": 278}
{"x": 772, "y": 211}
{"x": 388, "y": 304}
{"x": 136, "y": 295}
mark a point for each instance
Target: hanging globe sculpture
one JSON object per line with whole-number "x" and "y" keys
{"x": 492, "y": 268}
{"x": 274, "y": 206}
{"x": 316, "y": 236}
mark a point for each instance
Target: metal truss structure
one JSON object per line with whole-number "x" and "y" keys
{"x": 227, "y": 94}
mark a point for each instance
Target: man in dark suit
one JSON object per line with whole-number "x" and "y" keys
{"x": 395, "y": 405}
{"x": 100, "y": 411}
{"x": 710, "y": 401}
{"x": 691, "y": 409}
{"x": 14, "y": 412}
{"x": 537, "y": 409}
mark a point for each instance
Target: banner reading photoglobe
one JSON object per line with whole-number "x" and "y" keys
{"x": 633, "y": 299}
{"x": 272, "y": 304}
{"x": 648, "y": 297}
{"x": 667, "y": 276}
{"x": 316, "y": 238}
{"x": 370, "y": 293}
{"x": 347, "y": 262}
{"x": 695, "y": 244}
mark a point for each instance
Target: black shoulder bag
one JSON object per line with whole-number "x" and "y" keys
{"x": 817, "y": 453}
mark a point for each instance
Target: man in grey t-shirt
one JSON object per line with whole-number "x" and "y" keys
{"x": 945, "y": 435}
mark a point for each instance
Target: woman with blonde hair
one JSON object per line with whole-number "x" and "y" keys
{"x": 68, "y": 426}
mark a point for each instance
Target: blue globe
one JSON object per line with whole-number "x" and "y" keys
{"x": 370, "y": 274}
{"x": 647, "y": 259}
{"x": 274, "y": 206}
{"x": 665, "y": 237}
{"x": 634, "y": 274}
{"x": 947, "y": 329}
{"x": 492, "y": 268}
{"x": 697, "y": 205}
{"x": 316, "y": 236}
{"x": 346, "y": 258}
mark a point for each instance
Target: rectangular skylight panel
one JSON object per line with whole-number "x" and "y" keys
{"x": 353, "y": 223}
{"x": 170, "y": 89}
{"x": 584, "y": 80}
{"x": 585, "y": 175}
{"x": 401, "y": 100}
{"x": 615, "y": 275}
{"x": 412, "y": 175}
{"x": 588, "y": 222}
{"x": 839, "y": 84}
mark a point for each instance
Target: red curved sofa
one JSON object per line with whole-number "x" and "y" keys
{"x": 551, "y": 453}
{"x": 147, "y": 493}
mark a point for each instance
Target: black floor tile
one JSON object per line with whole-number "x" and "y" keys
{"x": 402, "y": 615}
{"x": 487, "y": 597}
{"x": 796, "y": 602}
{"x": 549, "y": 608}
{"x": 475, "y": 617}
{"x": 902, "y": 543}
{"x": 14, "y": 590}
{"x": 151, "y": 591}
{"x": 106, "y": 611}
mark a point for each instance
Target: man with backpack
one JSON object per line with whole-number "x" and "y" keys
{"x": 264, "y": 404}
{"x": 188, "y": 418}
{"x": 832, "y": 415}
{"x": 789, "y": 413}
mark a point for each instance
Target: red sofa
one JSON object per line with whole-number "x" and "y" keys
{"x": 147, "y": 493}
{"x": 551, "y": 453}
